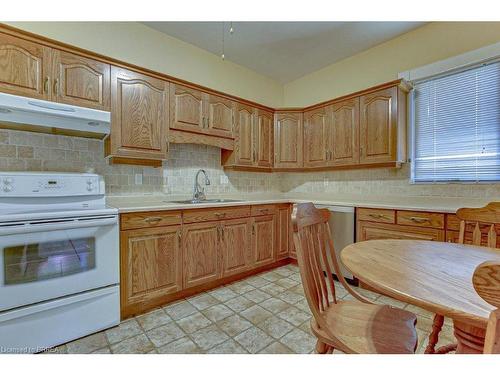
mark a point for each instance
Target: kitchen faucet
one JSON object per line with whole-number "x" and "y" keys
{"x": 199, "y": 191}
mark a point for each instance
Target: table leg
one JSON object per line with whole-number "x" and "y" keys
{"x": 470, "y": 339}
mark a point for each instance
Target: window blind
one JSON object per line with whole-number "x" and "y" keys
{"x": 457, "y": 127}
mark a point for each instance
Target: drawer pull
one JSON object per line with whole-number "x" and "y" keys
{"x": 379, "y": 216}
{"x": 220, "y": 214}
{"x": 264, "y": 210}
{"x": 419, "y": 219}
{"x": 152, "y": 220}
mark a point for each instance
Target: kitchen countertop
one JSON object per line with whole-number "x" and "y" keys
{"x": 137, "y": 203}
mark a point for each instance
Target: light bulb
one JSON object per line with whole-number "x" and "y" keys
{"x": 222, "y": 56}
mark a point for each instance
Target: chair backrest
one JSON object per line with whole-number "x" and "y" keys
{"x": 486, "y": 280}
{"x": 482, "y": 222}
{"x": 313, "y": 243}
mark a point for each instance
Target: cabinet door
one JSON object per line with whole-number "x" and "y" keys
{"x": 201, "y": 251}
{"x": 236, "y": 246}
{"x": 284, "y": 231}
{"x": 380, "y": 231}
{"x": 186, "y": 108}
{"x": 264, "y": 141}
{"x": 316, "y": 124}
{"x": 151, "y": 264}
{"x": 378, "y": 126}
{"x": 288, "y": 140}
{"x": 220, "y": 116}
{"x": 80, "y": 81}
{"x": 139, "y": 115}
{"x": 343, "y": 136}
{"x": 264, "y": 240}
{"x": 24, "y": 67}
{"x": 245, "y": 142}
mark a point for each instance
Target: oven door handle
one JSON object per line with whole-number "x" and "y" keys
{"x": 49, "y": 227}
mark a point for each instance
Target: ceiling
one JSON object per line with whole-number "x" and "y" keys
{"x": 285, "y": 50}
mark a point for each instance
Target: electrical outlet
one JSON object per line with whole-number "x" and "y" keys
{"x": 224, "y": 180}
{"x": 138, "y": 178}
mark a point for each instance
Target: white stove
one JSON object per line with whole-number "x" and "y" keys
{"x": 59, "y": 259}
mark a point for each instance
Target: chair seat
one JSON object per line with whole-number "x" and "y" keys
{"x": 368, "y": 329}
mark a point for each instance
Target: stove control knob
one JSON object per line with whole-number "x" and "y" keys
{"x": 7, "y": 188}
{"x": 7, "y": 180}
{"x": 90, "y": 187}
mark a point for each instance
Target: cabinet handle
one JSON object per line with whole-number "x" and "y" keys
{"x": 152, "y": 220}
{"x": 179, "y": 237}
{"x": 419, "y": 219}
{"x": 326, "y": 155}
{"x": 253, "y": 229}
{"x": 264, "y": 210}
{"x": 220, "y": 214}
{"x": 379, "y": 216}
{"x": 56, "y": 86}
{"x": 168, "y": 146}
{"x": 46, "y": 84}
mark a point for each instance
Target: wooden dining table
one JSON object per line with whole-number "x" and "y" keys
{"x": 436, "y": 276}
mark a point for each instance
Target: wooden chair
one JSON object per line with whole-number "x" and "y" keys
{"x": 478, "y": 226}
{"x": 486, "y": 282}
{"x": 350, "y": 326}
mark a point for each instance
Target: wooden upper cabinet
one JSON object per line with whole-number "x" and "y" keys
{"x": 139, "y": 115}
{"x": 201, "y": 251}
{"x": 343, "y": 135}
{"x": 236, "y": 246}
{"x": 288, "y": 140}
{"x": 264, "y": 240}
{"x": 186, "y": 108}
{"x": 80, "y": 81}
{"x": 316, "y": 128}
{"x": 151, "y": 264}
{"x": 245, "y": 138}
{"x": 379, "y": 126}
{"x": 220, "y": 116}
{"x": 24, "y": 67}
{"x": 264, "y": 139}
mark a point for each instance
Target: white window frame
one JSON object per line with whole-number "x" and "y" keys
{"x": 456, "y": 63}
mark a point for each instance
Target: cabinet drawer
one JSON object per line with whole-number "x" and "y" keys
{"x": 377, "y": 215}
{"x": 381, "y": 231}
{"x": 149, "y": 219}
{"x": 265, "y": 209}
{"x": 213, "y": 214}
{"x": 421, "y": 219}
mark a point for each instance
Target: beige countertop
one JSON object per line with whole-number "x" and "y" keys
{"x": 136, "y": 203}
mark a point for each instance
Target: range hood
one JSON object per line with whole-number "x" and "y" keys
{"x": 22, "y": 113}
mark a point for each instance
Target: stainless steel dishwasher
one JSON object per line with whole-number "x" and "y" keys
{"x": 342, "y": 224}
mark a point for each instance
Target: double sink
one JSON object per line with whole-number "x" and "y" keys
{"x": 196, "y": 201}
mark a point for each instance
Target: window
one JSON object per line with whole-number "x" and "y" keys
{"x": 457, "y": 126}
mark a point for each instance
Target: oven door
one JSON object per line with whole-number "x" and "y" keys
{"x": 42, "y": 260}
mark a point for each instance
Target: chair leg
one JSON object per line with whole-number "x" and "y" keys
{"x": 321, "y": 347}
{"x": 434, "y": 335}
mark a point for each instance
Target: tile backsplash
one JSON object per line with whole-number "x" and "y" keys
{"x": 20, "y": 151}
{"x": 43, "y": 152}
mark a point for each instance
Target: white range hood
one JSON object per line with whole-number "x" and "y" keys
{"x": 22, "y": 113}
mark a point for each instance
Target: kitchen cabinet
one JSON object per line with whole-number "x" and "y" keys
{"x": 151, "y": 265}
{"x": 253, "y": 141}
{"x": 202, "y": 113}
{"x": 139, "y": 116}
{"x": 343, "y": 133}
{"x": 264, "y": 139}
{"x": 236, "y": 246}
{"x": 201, "y": 248}
{"x": 288, "y": 140}
{"x": 284, "y": 225}
{"x": 80, "y": 81}
{"x": 24, "y": 67}
{"x": 317, "y": 125}
{"x": 382, "y": 126}
{"x": 379, "y": 231}
{"x": 264, "y": 240}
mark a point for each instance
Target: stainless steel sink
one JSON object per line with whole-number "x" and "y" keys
{"x": 192, "y": 201}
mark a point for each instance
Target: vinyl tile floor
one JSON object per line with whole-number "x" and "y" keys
{"x": 265, "y": 313}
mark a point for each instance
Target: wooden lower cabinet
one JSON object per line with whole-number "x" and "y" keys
{"x": 151, "y": 264}
{"x": 264, "y": 240}
{"x": 236, "y": 246}
{"x": 201, "y": 245}
{"x": 378, "y": 231}
{"x": 284, "y": 222}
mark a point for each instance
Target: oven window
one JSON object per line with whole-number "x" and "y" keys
{"x": 41, "y": 261}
